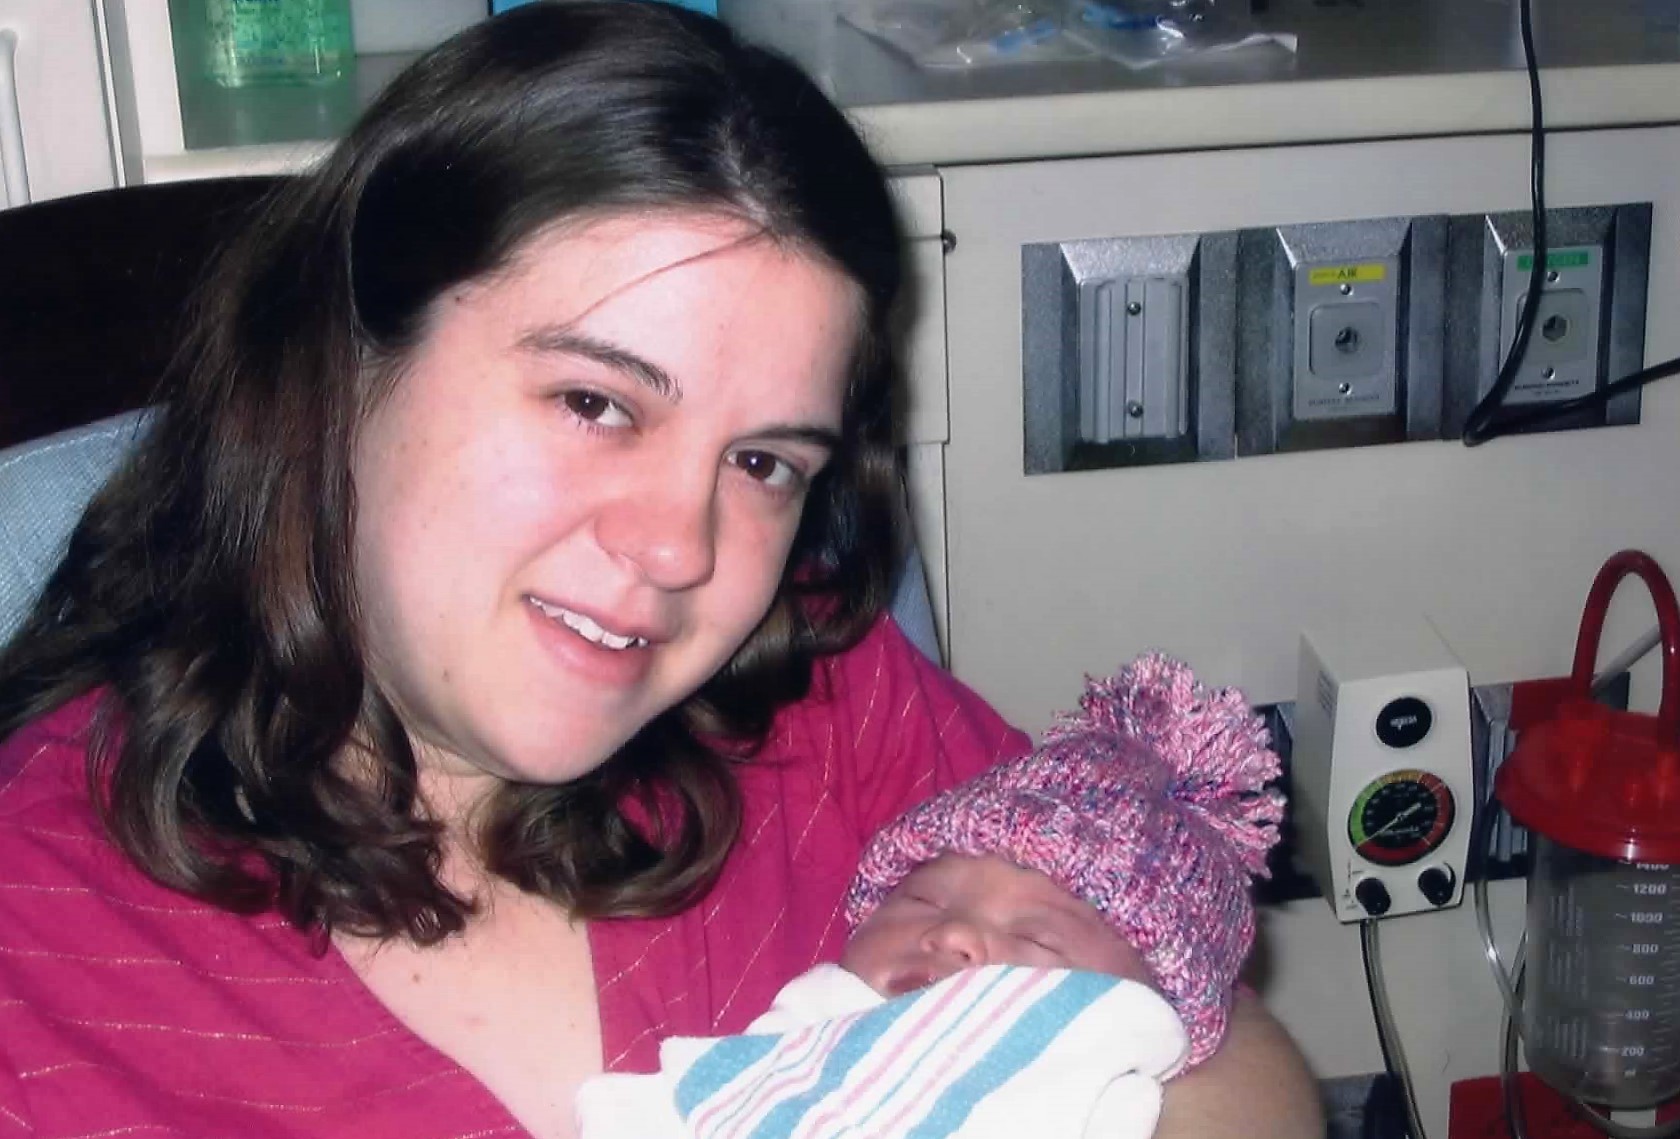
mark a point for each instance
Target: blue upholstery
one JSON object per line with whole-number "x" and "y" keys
{"x": 44, "y": 486}
{"x": 912, "y": 607}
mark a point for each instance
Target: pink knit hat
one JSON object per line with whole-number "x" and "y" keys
{"x": 1149, "y": 803}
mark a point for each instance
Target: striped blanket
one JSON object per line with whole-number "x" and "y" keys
{"x": 996, "y": 1051}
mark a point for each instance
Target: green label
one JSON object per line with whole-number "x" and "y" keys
{"x": 1557, "y": 259}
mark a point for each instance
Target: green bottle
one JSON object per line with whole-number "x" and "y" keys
{"x": 277, "y": 41}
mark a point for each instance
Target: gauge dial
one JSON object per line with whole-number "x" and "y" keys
{"x": 1400, "y": 817}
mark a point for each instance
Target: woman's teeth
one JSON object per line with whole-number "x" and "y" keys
{"x": 586, "y": 628}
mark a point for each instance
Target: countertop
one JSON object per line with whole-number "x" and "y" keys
{"x": 1362, "y": 69}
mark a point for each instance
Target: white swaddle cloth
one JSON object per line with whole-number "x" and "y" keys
{"x": 979, "y": 1055}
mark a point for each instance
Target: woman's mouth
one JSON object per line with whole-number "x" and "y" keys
{"x": 587, "y": 627}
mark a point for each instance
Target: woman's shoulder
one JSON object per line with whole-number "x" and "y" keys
{"x": 44, "y": 771}
{"x": 882, "y": 727}
{"x": 61, "y": 875}
{"x": 884, "y": 696}
{"x": 113, "y": 986}
{"x": 64, "y": 883}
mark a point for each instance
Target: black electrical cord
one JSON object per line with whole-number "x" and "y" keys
{"x": 1482, "y": 426}
{"x": 1520, "y": 418}
{"x": 1490, "y": 419}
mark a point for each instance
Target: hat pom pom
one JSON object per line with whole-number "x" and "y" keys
{"x": 1215, "y": 750}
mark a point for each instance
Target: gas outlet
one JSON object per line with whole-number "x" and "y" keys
{"x": 1589, "y": 325}
{"x": 1345, "y": 339}
{"x": 1133, "y": 380}
{"x": 1562, "y": 360}
{"x": 1340, "y": 339}
{"x": 1128, "y": 351}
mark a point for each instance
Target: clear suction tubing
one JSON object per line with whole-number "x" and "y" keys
{"x": 1599, "y": 790}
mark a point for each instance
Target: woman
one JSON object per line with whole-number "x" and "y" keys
{"x": 477, "y": 674}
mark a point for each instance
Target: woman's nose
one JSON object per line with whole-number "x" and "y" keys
{"x": 959, "y": 940}
{"x": 667, "y": 529}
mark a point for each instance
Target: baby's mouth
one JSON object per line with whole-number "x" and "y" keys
{"x": 909, "y": 981}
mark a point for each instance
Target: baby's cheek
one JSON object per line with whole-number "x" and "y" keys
{"x": 1109, "y": 953}
{"x": 865, "y": 955}
{"x": 1129, "y": 964}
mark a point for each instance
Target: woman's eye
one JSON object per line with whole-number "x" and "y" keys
{"x": 594, "y": 408}
{"x": 771, "y": 470}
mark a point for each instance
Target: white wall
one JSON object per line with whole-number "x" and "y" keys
{"x": 54, "y": 75}
{"x": 1054, "y": 576}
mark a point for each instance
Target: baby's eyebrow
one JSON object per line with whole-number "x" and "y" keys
{"x": 1071, "y": 914}
{"x": 927, "y": 871}
{"x": 913, "y": 884}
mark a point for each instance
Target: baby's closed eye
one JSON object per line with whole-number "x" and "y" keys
{"x": 1047, "y": 940}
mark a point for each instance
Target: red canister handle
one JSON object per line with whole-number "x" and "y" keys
{"x": 1668, "y": 622}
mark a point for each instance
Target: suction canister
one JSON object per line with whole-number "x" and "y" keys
{"x": 1599, "y": 789}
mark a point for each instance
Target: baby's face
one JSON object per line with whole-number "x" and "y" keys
{"x": 958, "y": 912}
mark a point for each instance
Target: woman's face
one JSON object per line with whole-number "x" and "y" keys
{"x": 577, "y": 502}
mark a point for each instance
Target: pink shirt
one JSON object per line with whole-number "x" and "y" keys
{"x": 128, "y": 1010}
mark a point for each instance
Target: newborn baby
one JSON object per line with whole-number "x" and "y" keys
{"x": 1043, "y": 944}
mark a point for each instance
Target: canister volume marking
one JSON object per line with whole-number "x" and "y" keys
{"x": 1400, "y": 817}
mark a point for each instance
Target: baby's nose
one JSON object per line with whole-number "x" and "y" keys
{"x": 959, "y": 941}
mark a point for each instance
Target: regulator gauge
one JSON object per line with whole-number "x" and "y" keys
{"x": 1400, "y": 817}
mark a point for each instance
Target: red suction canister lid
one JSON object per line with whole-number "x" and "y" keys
{"x": 1599, "y": 780}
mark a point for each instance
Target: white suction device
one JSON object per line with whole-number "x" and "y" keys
{"x": 1381, "y": 768}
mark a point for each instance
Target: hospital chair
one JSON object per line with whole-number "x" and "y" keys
{"x": 93, "y": 292}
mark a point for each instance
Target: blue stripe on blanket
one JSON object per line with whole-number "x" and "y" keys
{"x": 859, "y": 1038}
{"x": 731, "y": 1056}
{"x": 723, "y": 1061}
{"x": 1023, "y": 1044}
{"x": 787, "y": 1067}
{"x": 724, "y": 1070}
{"x": 930, "y": 1050}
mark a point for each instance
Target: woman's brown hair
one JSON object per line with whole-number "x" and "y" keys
{"x": 208, "y": 591}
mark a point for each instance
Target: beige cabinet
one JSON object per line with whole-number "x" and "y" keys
{"x": 55, "y": 130}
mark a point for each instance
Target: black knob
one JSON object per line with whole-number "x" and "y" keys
{"x": 1373, "y": 895}
{"x": 1437, "y": 885}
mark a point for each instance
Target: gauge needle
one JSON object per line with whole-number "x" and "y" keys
{"x": 1395, "y": 821}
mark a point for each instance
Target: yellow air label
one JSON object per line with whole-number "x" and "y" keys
{"x": 1347, "y": 274}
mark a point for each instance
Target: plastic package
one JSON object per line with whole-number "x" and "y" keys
{"x": 1662, "y": 17}
{"x": 1143, "y": 33}
{"x": 967, "y": 33}
{"x": 975, "y": 33}
{"x": 275, "y": 41}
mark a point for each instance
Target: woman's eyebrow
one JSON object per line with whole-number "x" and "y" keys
{"x": 824, "y": 437}
{"x": 561, "y": 338}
